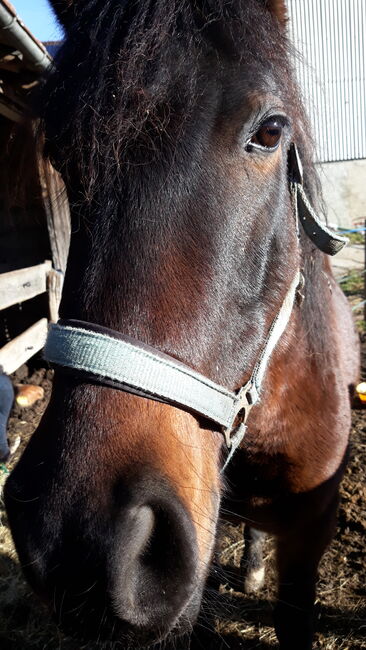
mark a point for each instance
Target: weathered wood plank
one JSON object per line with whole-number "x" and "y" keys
{"x": 23, "y": 284}
{"x": 10, "y": 110}
{"x": 54, "y": 285}
{"x": 23, "y": 347}
{"x": 58, "y": 214}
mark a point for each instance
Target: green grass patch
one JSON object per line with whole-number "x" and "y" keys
{"x": 355, "y": 237}
{"x": 353, "y": 283}
{"x": 361, "y": 326}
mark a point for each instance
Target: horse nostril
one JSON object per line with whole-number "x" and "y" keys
{"x": 161, "y": 543}
{"x": 153, "y": 573}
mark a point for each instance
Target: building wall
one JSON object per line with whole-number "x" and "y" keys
{"x": 330, "y": 36}
{"x": 344, "y": 188}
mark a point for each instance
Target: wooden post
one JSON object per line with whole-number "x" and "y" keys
{"x": 57, "y": 212}
{"x": 54, "y": 285}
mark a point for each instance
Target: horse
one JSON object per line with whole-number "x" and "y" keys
{"x": 205, "y": 352}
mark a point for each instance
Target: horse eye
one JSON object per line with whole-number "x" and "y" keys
{"x": 268, "y": 135}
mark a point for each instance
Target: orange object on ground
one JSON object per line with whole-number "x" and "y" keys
{"x": 27, "y": 394}
{"x": 361, "y": 391}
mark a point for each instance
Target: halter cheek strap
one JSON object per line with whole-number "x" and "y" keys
{"x": 324, "y": 238}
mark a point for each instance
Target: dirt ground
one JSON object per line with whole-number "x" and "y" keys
{"x": 240, "y": 621}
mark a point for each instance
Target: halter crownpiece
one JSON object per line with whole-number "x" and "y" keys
{"x": 112, "y": 359}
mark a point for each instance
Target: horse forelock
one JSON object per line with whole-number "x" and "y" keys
{"x": 140, "y": 71}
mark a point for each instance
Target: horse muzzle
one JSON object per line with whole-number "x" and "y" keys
{"x": 131, "y": 575}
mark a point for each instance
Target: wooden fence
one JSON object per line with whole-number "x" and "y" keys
{"x": 19, "y": 286}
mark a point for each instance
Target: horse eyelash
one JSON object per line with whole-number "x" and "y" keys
{"x": 274, "y": 112}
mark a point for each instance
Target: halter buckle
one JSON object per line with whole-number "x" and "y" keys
{"x": 246, "y": 399}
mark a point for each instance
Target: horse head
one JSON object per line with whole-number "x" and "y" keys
{"x": 171, "y": 124}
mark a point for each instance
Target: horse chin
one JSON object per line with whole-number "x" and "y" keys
{"x": 111, "y": 629}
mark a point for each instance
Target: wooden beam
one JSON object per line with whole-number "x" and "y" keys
{"x": 10, "y": 110}
{"x": 23, "y": 347}
{"x": 23, "y": 284}
{"x": 58, "y": 214}
{"x": 55, "y": 281}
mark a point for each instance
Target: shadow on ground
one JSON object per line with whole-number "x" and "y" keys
{"x": 25, "y": 625}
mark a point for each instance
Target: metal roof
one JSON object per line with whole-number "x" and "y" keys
{"x": 52, "y": 47}
{"x": 331, "y": 37}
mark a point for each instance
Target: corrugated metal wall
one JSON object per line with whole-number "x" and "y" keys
{"x": 331, "y": 34}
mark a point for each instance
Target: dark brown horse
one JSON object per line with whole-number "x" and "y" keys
{"x": 171, "y": 122}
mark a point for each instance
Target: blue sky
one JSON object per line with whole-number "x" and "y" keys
{"x": 38, "y": 17}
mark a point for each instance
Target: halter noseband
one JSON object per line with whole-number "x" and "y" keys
{"x": 110, "y": 358}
